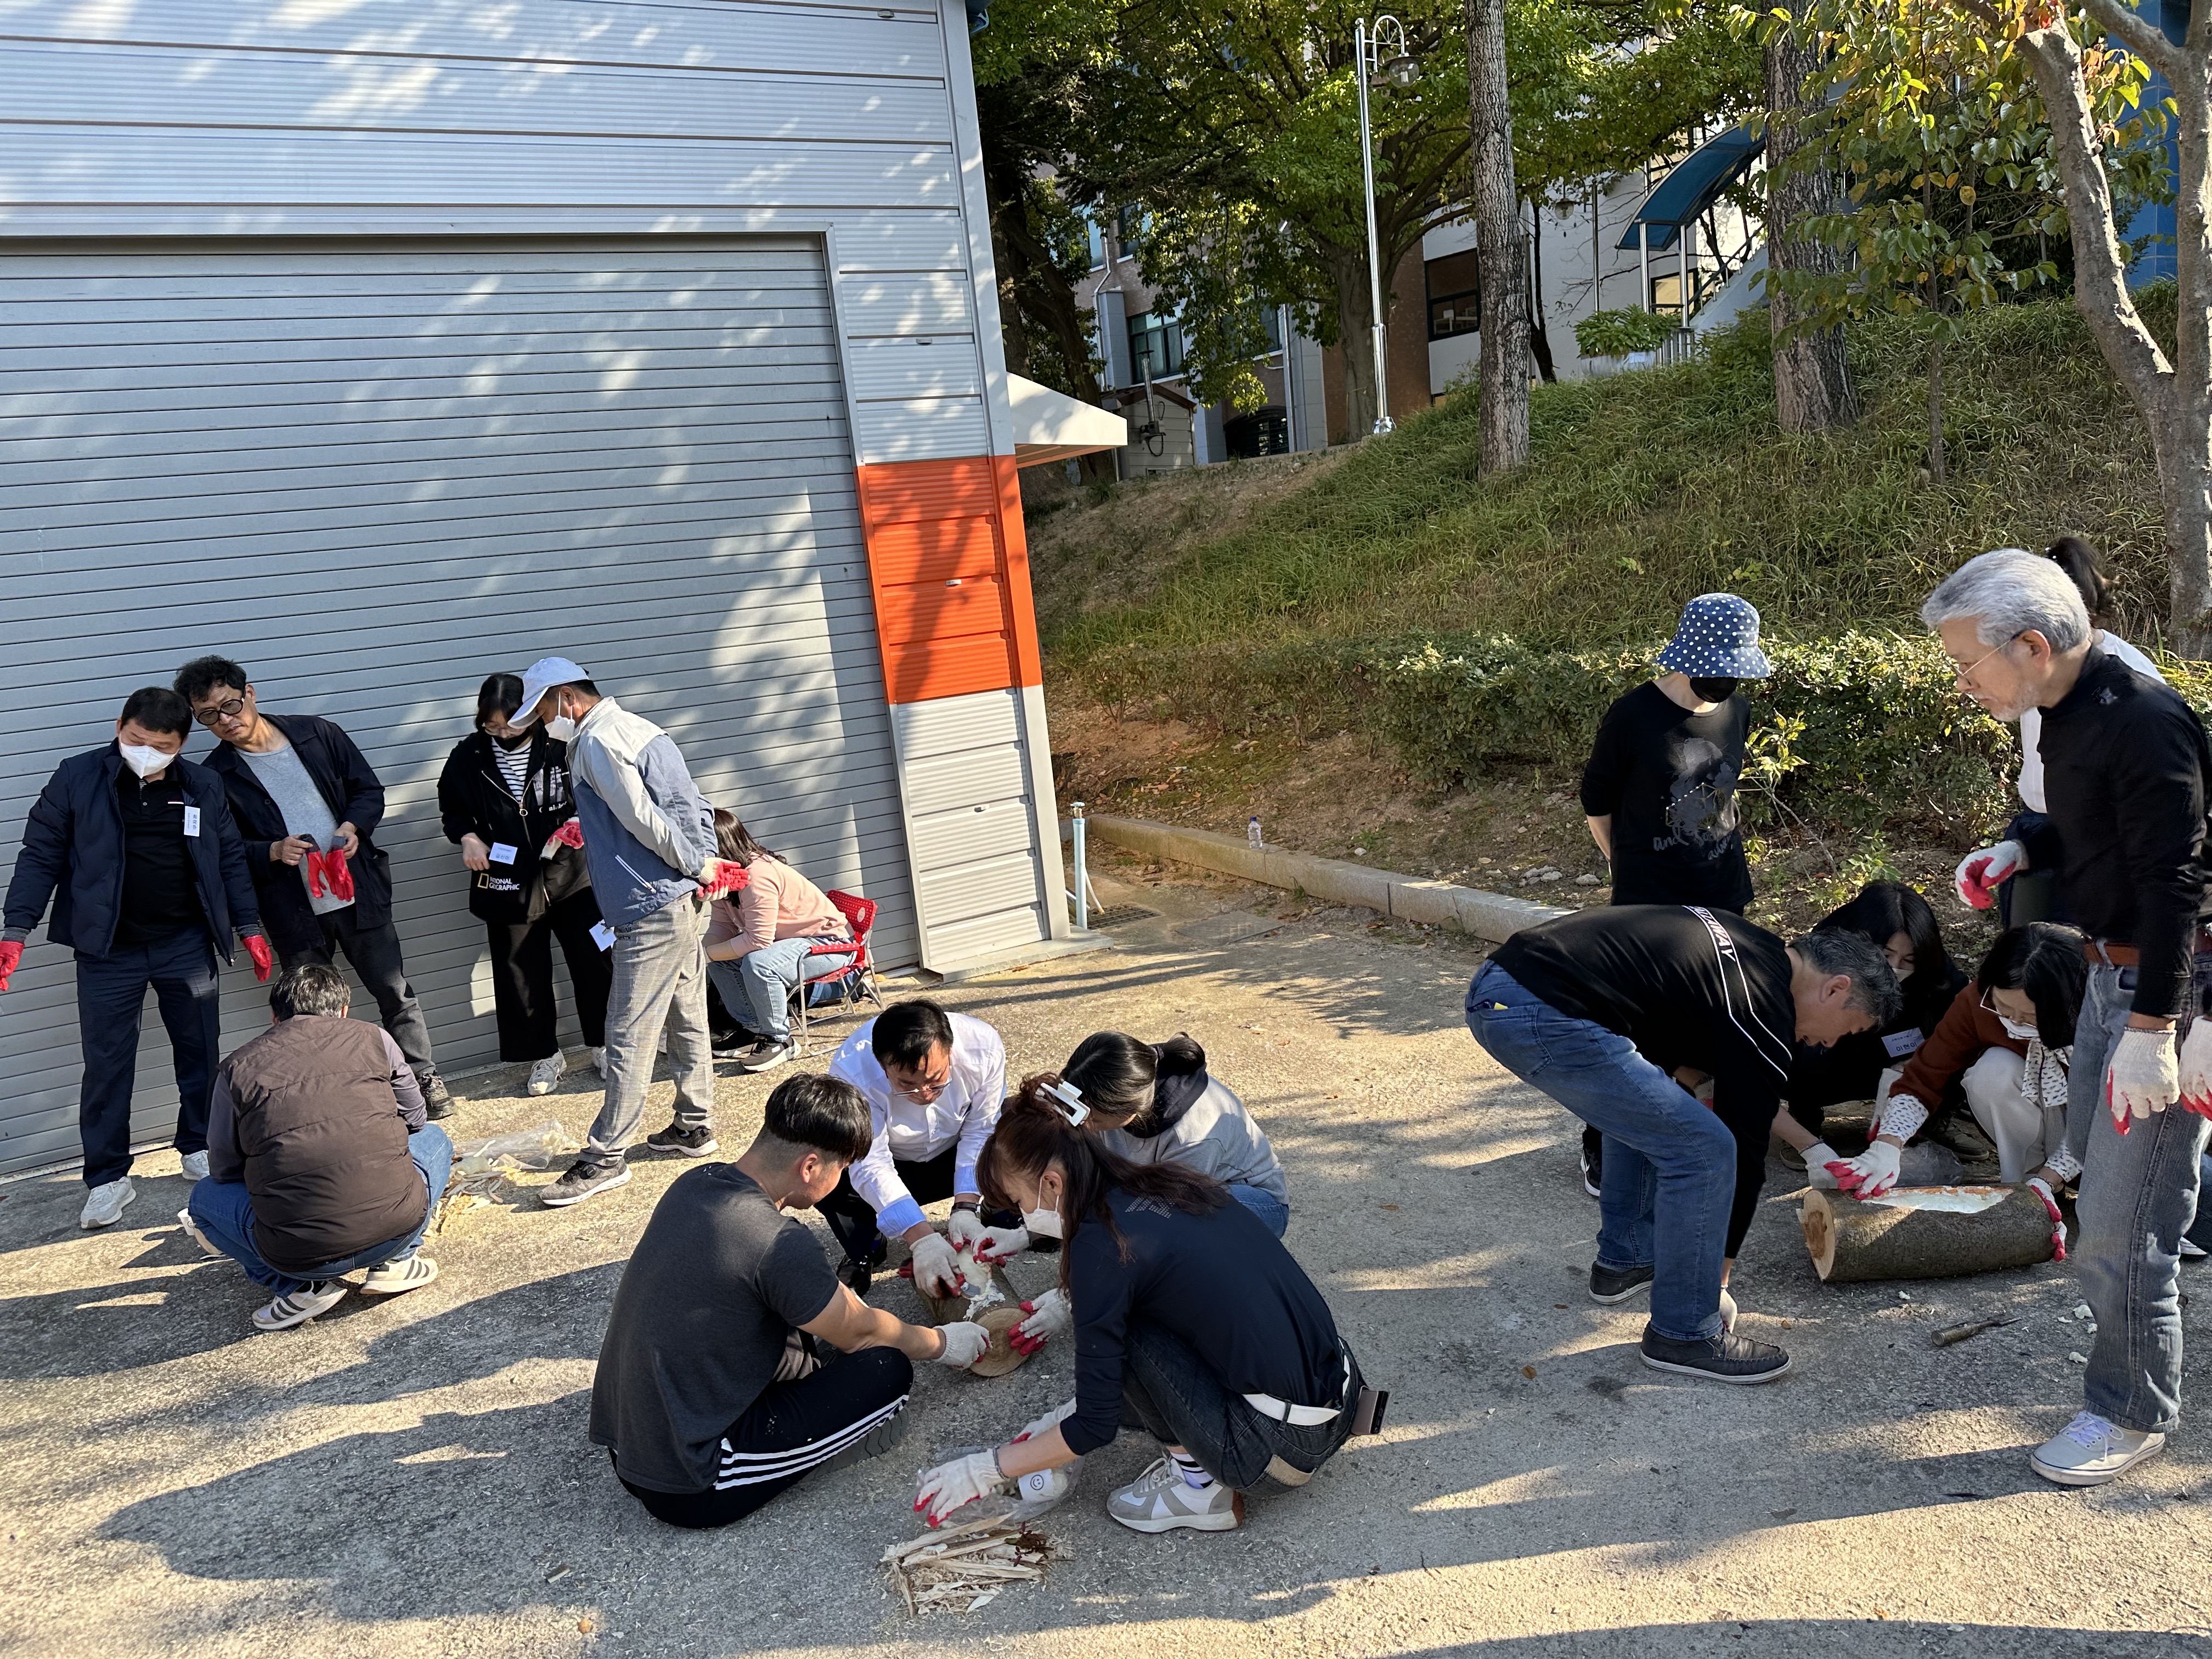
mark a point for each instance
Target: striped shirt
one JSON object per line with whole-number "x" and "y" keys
{"x": 513, "y": 766}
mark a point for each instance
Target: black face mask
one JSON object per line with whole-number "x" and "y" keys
{"x": 1710, "y": 689}
{"x": 517, "y": 742}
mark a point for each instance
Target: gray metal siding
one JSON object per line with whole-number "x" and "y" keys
{"x": 374, "y": 474}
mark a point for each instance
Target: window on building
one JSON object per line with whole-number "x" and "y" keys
{"x": 1098, "y": 238}
{"x": 1455, "y": 295}
{"x": 1155, "y": 347}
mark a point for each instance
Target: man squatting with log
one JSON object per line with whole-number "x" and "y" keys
{"x": 1604, "y": 1011}
{"x": 2125, "y": 763}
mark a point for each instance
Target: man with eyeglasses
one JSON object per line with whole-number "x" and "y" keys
{"x": 132, "y": 844}
{"x": 2127, "y": 770}
{"x": 934, "y": 1082}
{"x": 307, "y": 803}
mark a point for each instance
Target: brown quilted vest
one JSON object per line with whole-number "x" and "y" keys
{"x": 325, "y": 1148}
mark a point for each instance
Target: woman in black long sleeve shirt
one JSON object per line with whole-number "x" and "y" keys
{"x": 1189, "y": 1316}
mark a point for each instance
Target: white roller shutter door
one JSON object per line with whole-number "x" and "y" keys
{"x": 373, "y": 473}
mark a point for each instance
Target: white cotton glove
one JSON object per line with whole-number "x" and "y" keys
{"x": 1978, "y": 873}
{"x": 1818, "y": 1157}
{"x": 2197, "y": 1067}
{"x": 1871, "y": 1174}
{"x": 2042, "y": 1189}
{"x": 1049, "y": 1315}
{"x": 949, "y": 1487}
{"x": 1051, "y": 1420}
{"x": 2143, "y": 1076}
{"x": 965, "y": 1342}
{"x": 999, "y": 1244}
{"x": 963, "y": 1230}
{"x": 936, "y": 1266}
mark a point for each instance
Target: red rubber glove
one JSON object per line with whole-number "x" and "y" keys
{"x": 11, "y": 952}
{"x": 263, "y": 964}
{"x": 315, "y": 889}
{"x": 337, "y": 873}
{"x": 724, "y": 878}
{"x": 570, "y": 833}
{"x": 2042, "y": 1190}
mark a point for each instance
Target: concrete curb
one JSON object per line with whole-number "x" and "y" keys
{"x": 1492, "y": 916}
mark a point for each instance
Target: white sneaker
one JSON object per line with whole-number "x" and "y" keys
{"x": 409, "y": 1273}
{"x": 193, "y": 1231}
{"x": 547, "y": 1072}
{"x": 103, "y": 1205}
{"x": 600, "y": 1062}
{"x": 196, "y": 1166}
{"x": 2089, "y": 1451}
{"x": 318, "y": 1296}
{"x": 1160, "y": 1500}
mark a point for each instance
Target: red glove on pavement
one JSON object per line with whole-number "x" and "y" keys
{"x": 263, "y": 964}
{"x": 11, "y": 952}
{"x": 340, "y": 878}
{"x": 315, "y": 889}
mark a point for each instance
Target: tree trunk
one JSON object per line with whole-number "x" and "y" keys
{"x": 1813, "y": 389}
{"x": 1347, "y": 271}
{"x": 1501, "y": 259}
{"x": 1853, "y": 1242}
{"x": 1936, "y": 411}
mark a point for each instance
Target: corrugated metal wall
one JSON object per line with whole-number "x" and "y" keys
{"x": 373, "y": 476}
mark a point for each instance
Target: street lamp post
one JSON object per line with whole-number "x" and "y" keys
{"x": 1367, "y": 39}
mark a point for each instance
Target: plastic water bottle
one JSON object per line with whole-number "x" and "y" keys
{"x": 1252, "y": 832}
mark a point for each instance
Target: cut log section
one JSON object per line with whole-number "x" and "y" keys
{"x": 1932, "y": 1233}
{"x": 997, "y": 1316}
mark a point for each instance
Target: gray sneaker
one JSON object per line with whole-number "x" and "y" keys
{"x": 584, "y": 1178}
{"x": 695, "y": 1141}
{"x": 1160, "y": 1500}
{"x": 1726, "y": 1357}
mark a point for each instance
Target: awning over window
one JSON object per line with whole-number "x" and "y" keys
{"x": 1050, "y": 426}
{"x": 1693, "y": 184}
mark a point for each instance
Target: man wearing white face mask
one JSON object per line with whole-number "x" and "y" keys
{"x": 136, "y": 848}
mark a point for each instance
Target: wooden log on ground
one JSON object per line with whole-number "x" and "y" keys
{"x": 1853, "y": 1242}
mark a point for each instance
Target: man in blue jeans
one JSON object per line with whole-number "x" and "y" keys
{"x": 1614, "y": 1013}
{"x": 134, "y": 847}
{"x": 2126, "y": 769}
{"x": 321, "y": 1161}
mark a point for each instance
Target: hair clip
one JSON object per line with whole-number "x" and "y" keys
{"x": 1071, "y": 1106}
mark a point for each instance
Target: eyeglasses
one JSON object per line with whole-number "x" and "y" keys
{"x": 1966, "y": 676}
{"x": 229, "y": 709}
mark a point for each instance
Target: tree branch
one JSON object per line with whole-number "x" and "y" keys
{"x": 2142, "y": 37}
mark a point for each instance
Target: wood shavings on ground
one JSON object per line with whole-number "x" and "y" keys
{"x": 964, "y": 1568}
{"x": 466, "y": 1196}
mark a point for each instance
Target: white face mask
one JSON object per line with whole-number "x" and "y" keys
{"x": 1045, "y": 1224}
{"x": 561, "y": 728}
{"x": 2016, "y": 1029}
{"x": 144, "y": 761}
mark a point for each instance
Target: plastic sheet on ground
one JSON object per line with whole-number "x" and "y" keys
{"x": 540, "y": 1147}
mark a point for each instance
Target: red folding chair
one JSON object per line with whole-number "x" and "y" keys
{"x": 845, "y": 963}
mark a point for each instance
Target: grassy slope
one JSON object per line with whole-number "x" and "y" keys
{"x": 1642, "y": 491}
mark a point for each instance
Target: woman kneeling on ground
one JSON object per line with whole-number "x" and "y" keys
{"x": 2006, "y": 1042}
{"x": 1190, "y": 1317}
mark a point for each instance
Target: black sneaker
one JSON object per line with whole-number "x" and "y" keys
{"x": 583, "y": 1179}
{"x": 1725, "y": 1358}
{"x": 857, "y": 1276}
{"x": 729, "y": 1044}
{"x": 697, "y": 1141}
{"x": 766, "y": 1056}
{"x": 1617, "y": 1284}
{"x": 1592, "y": 1163}
{"x": 437, "y": 1098}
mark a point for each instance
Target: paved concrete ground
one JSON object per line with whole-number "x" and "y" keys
{"x": 413, "y": 1477}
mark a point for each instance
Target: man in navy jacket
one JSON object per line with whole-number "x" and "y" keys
{"x": 307, "y": 804}
{"x": 135, "y": 846}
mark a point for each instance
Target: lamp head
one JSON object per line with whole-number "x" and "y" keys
{"x": 1400, "y": 72}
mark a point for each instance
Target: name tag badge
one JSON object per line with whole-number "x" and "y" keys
{"x": 602, "y": 936}
{"x": 1901, "y": 1044}
{"x": 501, "y": 853}
{"x": 191, "y": 820}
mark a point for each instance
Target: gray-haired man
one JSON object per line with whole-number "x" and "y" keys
{"x": 2126, "y": 767}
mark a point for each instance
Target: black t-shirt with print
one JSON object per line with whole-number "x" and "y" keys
{"x": 1668, "y": 779}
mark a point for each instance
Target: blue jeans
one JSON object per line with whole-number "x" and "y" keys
{"x": 110, "y": 997}
{"x": 224, "y": 1212}
{"x": 1265, "y": 1205}
{"x": 2138, "y": 1192}
{"x": 761, "y": 981}
{"x": 1669, "y": 1163}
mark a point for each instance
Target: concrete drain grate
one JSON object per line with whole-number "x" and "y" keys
{"x": 1113, "y": 915}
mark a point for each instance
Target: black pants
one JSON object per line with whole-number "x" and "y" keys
{"x": 110, "y": 997}
{"x": 1169, "y": 1389}
{"x": 374, "y": 954}
{"x": 522, "y": 977}
{"x": 853, "y": 1221}
{"x": 839, "y": 1414}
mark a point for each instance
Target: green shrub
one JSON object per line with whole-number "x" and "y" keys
{"x": 1617, "y": 333}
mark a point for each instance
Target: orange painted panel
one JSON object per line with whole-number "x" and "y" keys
{"x": 948, "y": 560}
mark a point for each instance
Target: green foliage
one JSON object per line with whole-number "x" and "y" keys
{"x": 1617, "y": 333}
